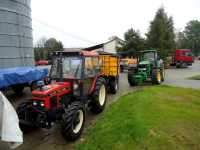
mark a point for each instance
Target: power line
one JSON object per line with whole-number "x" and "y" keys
{"x": 64, "y": 32}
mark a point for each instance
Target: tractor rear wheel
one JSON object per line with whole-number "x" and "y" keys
{"x": 162, "y": 74}
{"x": 99, "y": 96}
{"x": 156, "y": 76}
{"x": 73, "y": 121}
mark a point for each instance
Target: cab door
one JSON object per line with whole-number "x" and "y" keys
{"x": 90, "y": 72}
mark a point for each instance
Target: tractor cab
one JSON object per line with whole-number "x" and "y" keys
{"x": 148, "y": 57}
{"x": 77, "y": 68}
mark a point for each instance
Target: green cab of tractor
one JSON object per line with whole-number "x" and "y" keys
{"x": 148, "y": 67}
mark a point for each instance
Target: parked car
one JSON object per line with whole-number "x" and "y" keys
{"x": 182, "y": 58}
{"x": 41, "y": 62}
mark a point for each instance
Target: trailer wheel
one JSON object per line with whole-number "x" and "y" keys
{"x": 114, "y": 86}
{"x": 121, "y": 69}
{"x": 156, "y": 76}
{"x": 18, "y": 89}
{"x": 73, "y": 121}
{"x": 99, "y": 96}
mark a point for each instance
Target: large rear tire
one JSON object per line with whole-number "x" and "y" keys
{"x": 156, "y": 76}
{"x": 73, "y": 121}
{"x": 163, "y": 74}
{"x": 99, "y": 96}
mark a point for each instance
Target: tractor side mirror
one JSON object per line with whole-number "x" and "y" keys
{"x": 41, "y": 85}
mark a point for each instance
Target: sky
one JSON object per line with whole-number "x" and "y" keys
{"x": 83, "y": 23}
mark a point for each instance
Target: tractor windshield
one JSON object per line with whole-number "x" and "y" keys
{"x": 70, "y": 66}
{"x": 148, "y": 56}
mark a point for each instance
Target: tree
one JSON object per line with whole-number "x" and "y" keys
{"x": 53, "y": 45}
{"x": 192, "y": 35}
{"x": 161, "y": 33}
{"x": 133, "y": 42}
{"x": 180, "y": 40}
{"x": 44, "y": 47}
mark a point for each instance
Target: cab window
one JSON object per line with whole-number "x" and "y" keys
{"x": 91, "y": 66}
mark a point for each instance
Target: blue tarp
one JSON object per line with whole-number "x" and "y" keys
{"x": 20, "y": 75}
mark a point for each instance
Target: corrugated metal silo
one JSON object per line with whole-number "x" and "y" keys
{"x": 16, "y": 42}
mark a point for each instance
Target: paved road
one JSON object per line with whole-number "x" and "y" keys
{"x": 179, "y": 77}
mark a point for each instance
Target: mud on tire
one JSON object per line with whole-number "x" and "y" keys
{"x": 21, "y": 112}
{"x": 99, "y": 96}
{"x": 114, "y": 86}
{"x": 73, "y": 121}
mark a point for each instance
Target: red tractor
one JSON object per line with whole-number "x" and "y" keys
{"x": 76, "y": 82}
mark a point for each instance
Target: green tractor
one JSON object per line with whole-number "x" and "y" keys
{"x": 148, "y": 67}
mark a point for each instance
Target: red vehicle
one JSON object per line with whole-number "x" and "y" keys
{"x": 41, "y": 62}
{"x": 78, "y": 81}
{"x": 182, "y": 58}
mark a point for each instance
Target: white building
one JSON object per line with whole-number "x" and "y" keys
{"x": 110, "y": 46}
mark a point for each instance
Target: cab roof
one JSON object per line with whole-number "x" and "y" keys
{"x": 145, "y": 51}
{"x": 75, "y": 53}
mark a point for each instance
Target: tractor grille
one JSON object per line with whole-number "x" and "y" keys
{"x": 142, "y": 66}
{"x": 53, "y": 102}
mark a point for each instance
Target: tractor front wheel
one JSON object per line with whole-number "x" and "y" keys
{"x": 99, "y": 96}
{"x": 22, "y": 112}
{"x": 73, "y": 121}
{"x": 156, "y": 76}
{"x": 131, "y": 80}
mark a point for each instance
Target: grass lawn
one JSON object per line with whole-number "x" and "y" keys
{"x": 196, "y": 77}
{"x": 157, "y": 118}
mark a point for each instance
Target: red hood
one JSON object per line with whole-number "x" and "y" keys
{"x": 53, "y": 88}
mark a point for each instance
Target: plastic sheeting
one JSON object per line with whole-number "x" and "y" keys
{"x": 9, "y": 124}
{"x": 20, "y": 75}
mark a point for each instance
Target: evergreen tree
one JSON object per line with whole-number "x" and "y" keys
{"x": 133, "y": 42}
{"x": 161, "y": 33}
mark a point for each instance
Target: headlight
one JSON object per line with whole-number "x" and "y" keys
{"x": 42, "y": 104}
{"x": 34, "y": 103}
{"x": 75, "y": 86}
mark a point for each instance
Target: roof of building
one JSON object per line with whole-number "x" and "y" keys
{"x": 72, "y": 49}
{"x": 102, "y": 44}
{"x": 94, "y": 47}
